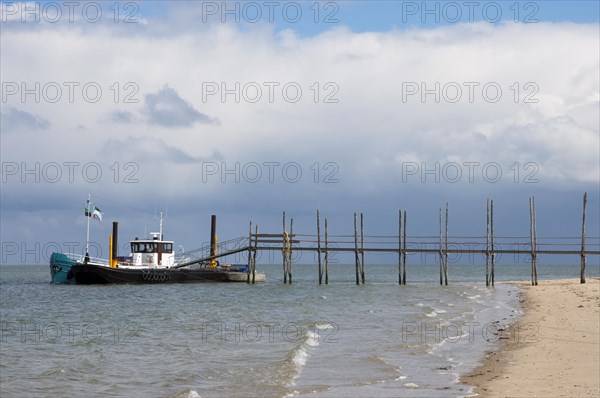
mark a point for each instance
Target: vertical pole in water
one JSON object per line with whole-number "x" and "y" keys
{"x": 404, "y": 253}
{"x": 356, "y": 259}
{"x": 249, "y": 253}
{"x": 290, "y": 252}
{"x": 362, "y": 249}
{"x": 582, "y": 275}
{"x": 441, "y": 254}
{"x": 492, "y": 239}
{"x": 319, "y": 247}
{"x": 531, "y": 239}
{"x": 88, "y": 214}
{"x": 400, "y": 247}
{"x": 326, "y": 256}
{"x": 487, "y": 243}
{"x": 213, "y": 240}
{"x": 446, "y": 254}
{"x": 254, "y": 254}
{"x": 115, "y": 245}
{"x": 284, "y": 248}
{"x": 535, "y": 240}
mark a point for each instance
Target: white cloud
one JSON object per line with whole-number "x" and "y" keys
{"x": 167, "y": 126}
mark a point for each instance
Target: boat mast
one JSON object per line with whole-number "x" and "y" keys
{"x": 161, "y": 229}
{"x": 87, "y": 237}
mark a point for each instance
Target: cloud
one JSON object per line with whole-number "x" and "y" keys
{"x": 122, "y": 117}
{"x": 147, "y": 149}
{"x": 370, "y": 132}
{"x": 14, "y": 119}
{"x": 166, "y": 108}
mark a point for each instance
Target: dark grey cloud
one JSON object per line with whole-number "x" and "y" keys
{"x": 14, "y": 119}
{"x": 167, "y": 109}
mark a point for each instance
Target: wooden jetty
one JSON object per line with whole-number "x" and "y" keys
{"x": 289, "y": 242}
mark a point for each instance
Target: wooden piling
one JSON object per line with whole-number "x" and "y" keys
{"x": 284, "y": 252}
{"x": 582, "y": 274}
{"x": 362, "y": 248}
{"x": 400, "y": 247}
{"x": 531, "y": 237}
{"x": 446, "y": 254}
{"x": 249, "y": 253}
{"x": 326, "y": 255}
{"x": 535, "y": 241}
{"x": 254, "y": 254}
{"x": 492, "y": 276}
{"x": 290, "y": 251}
{"x": 487, "y": 243}
{"x": 319, "y": 247}
{"x": 404, "y": 253}
{"x": 356, "y": 259}
{"x": 440, "y": 252}
{"x": 532, "y": 240}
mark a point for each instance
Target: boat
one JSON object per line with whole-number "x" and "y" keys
{"x": 152, "y": 260}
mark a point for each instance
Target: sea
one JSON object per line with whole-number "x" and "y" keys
{"x": 264, "y": 340}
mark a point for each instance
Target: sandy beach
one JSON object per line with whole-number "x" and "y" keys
{"x": 553, "y": 350}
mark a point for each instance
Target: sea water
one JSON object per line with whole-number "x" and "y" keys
{"x": 263, "y": 340}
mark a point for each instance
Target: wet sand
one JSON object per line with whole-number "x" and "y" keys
{"x": 554, "y": 348}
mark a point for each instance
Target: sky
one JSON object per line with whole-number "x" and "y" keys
{"x": 247, "y": 109}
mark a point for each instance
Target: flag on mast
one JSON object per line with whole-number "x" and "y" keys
{"x": 96, "y": 213}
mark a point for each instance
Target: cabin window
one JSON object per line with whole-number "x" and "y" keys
{"x": 143, "y": 247}
{"x": 167, "y": 247}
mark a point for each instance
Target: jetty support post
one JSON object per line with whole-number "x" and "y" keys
{"x": 254, "y": 254}
{"x": 535, "y": 245}
{"x": 284, "y": 248}
{"x": 487, "y": 243}
{"x": 356, "y": 258}
{"x": 532, "y": 238}
{"x": 404, "y": 253}
{"x": 249, "y": 269}
{"x": 319, "y": 247}
{"x": 440, "y": 252}
{"x": 492, "y": 276}
{"x": 446, "y": 254}
{"x": 326, "y": 255}
{"x": 400, "y": 247}
{"x": 362, "y": 248}
{"x": 582, "y": 274}
{"x": 290, "y": 250}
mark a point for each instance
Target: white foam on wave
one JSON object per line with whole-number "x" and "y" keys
{"x": 411, "y": 385}
{"x": 312, "y": 339}
{"x": 300, "y": 358}
{"x": 302, "y": 352}
{"x": 431, "y": 314}
{"x": 323, "y": 326}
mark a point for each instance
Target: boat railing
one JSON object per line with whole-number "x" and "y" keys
{"x": 80, "y": 258}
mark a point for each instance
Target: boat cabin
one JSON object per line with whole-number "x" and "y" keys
{"x": 152, "y": 252}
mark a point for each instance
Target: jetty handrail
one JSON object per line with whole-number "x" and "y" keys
{"x": 207, "y": 259}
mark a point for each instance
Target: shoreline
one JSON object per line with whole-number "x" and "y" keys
{"x": 552, "y": 350}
